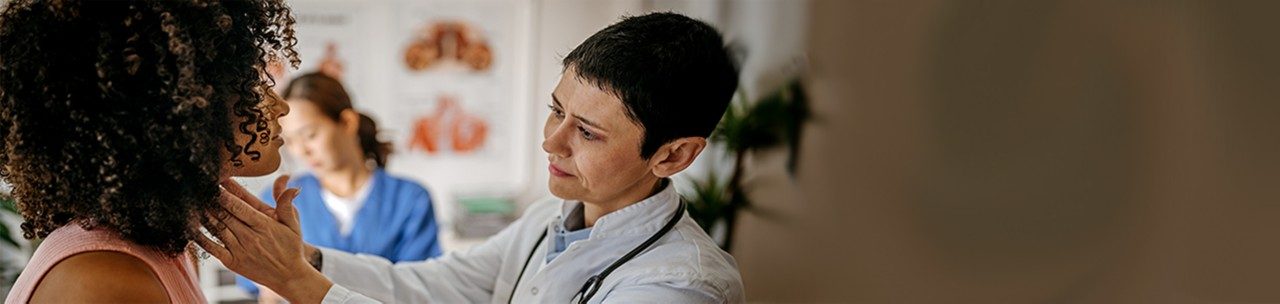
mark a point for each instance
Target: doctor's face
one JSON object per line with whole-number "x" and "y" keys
{"x": 593, "y": 147}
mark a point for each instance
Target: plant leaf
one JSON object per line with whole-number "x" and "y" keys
{"x": 7, "y": 205}
{"x": 708, "y": 202}
{"x": 6, "y": 237}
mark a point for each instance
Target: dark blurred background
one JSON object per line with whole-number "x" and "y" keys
{"x": 1030, "y": 152}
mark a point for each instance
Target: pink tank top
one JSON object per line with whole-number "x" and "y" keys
{"x": 177, "y": 274}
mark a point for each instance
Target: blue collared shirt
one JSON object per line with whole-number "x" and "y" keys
{"x": 563, "y": 237}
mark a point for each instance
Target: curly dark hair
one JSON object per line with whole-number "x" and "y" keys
{"x": 120, "y": 114}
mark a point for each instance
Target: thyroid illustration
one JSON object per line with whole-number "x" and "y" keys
{"x": 446, "y": 41}
{"x": 450, "y": 124}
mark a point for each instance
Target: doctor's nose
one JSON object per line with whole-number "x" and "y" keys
{"x": 554, "y": 143}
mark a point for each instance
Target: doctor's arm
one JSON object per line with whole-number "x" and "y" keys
{"x": 457, "y": 277}
{"x": 669, "y": 291}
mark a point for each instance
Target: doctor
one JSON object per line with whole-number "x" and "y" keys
{"x": 634, "y": 106}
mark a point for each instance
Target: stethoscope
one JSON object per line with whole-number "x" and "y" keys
{"x": 593, "y": 284}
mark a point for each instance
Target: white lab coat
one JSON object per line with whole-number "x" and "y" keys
{"x": 684, "y": 266}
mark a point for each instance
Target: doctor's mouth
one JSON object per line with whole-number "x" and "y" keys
{"x": 555, "y": 171}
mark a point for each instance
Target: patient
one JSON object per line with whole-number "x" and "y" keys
{"x": 120, "y": 119}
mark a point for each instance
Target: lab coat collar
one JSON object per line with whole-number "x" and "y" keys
{"x": 643, "y": 217}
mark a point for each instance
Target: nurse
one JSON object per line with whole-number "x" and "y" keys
{"x": 634, "y": 105}
{"x": 347, "y": 202}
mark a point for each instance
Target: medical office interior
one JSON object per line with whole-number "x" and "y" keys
{"x": 881, "y": 151}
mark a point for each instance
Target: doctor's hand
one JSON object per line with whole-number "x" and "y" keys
{"x": 265, "y": 244}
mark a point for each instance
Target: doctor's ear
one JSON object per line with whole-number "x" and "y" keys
{"x": 676, "y": 155}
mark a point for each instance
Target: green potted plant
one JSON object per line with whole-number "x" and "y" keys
{"x": 7, "y": 242}
{"x": 774, "y": 121}
{"x": 7, "y": 205}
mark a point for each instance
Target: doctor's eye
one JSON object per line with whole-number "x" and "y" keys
{"x": 586, "y": 134}
{"x": 555, "y": 111}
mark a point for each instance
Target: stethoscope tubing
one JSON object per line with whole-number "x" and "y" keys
{"x": 593, "y": 284}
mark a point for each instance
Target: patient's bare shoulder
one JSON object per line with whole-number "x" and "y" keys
{"x": 99, "y": 277}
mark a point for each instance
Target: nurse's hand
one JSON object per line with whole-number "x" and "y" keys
{"x": 265, "y": 244}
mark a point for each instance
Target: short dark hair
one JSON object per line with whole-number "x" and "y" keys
{"x": 328, "y": 94}
{"x": 673, "y": 73}
{"x": 120, "y": 115}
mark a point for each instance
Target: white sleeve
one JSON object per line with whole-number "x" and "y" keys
{"x": 457, "y": 277}
{"x": 339, "y": 295}
{"x": 674, "y": 291}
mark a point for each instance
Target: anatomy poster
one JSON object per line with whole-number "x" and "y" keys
{"x": 454, "y": 95}
{"x": 439, "y": 77}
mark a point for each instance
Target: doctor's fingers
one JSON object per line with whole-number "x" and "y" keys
{"x": 233, "y": 233}
{"x": 244, "y": 195}
{"x": 240, "y": 209}
{"x": 202, "y": 239}
{"x": 279, "y": 186}
{"x": 225, "y": 248}
{"x": 213, "y": 248}
{"x": 234, "y": 248}
{"x": 286, "y": 212}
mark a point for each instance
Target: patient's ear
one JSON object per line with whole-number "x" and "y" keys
{"x": 676, "y": 155}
